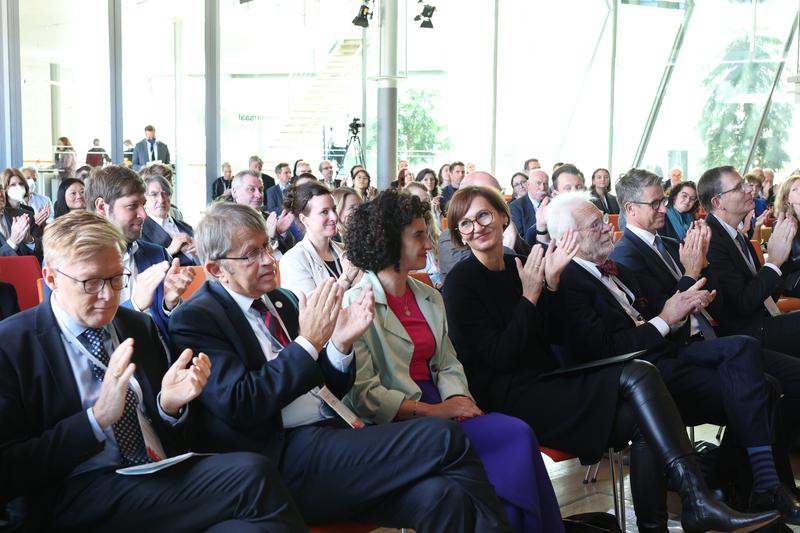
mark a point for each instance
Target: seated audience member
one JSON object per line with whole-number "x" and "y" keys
{"x": 274, "y": 195}
{"x": 711, "y": 379}
{"x": 256, "y": 164}
{"x": 346, "y": 201}
{"x": 502, "y": 315}
{"x": 165, "y": 171}
{"x": 523, "y": 209}
{"x": 19, "y": 234}
{"x": 157, "y": 281}
{"x": 444, "y": 176}
{"x": 769, "y": 189}
{"x": 404, "y": 177}
{"x": 37, "y": 201}
{"x": 266, "y": 395}
{"x": 301, "y": 166}
{"x": 222, "y": 185}
{"x": 519, "y": 185}
{"x": 83, "y": 172}
{"x": 787, "y": 203}
{"x": 246, "y": 189}
{"x": 317, "y": 257}
{"x": 160, "y": 228}
{"x": 566, "y": 178}
{"x": 9, "y": 304}
{"x": 449, "y": 254}
{"x": 759, "y": 202}
{"x": 432, "y": 256}
{"x": 427, "y": 176}
{"x": 748, "y": 289}
{"x": 456, "y": 175}
{"x": 70, "y": 196}
{"x": 682, "y": 208}
{"x": 600, "y": 189}
{"x": 361, "y": 183}
{"x": 407, "y": 367}
{"x": 326, "y": 171}
{"x": 75, "y": 373}
{"x": 65, "y": 159}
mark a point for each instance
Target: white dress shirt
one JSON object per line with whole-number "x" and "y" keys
{"x": 307, "y": 408}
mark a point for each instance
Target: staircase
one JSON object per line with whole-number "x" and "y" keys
{"x": 330, "y": 100}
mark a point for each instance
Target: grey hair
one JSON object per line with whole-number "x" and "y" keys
{"x": 161, "y": 180}
{"x": 560, "y": 212}
{"x": 630, "y": 185}
{"x": 236, "y": 182}
{"x": 223, "y": 221}
{"x": 35, "y": 173}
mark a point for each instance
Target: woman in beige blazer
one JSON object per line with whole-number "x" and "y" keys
{"x": 315, "y": 258}
{"x": 407, "y": 367}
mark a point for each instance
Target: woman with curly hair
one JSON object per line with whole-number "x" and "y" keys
{"x": 407, "y": 367}
{"x": 316, "y": 257}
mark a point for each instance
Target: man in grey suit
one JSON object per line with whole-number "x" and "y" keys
{"x": 149, "y": 149}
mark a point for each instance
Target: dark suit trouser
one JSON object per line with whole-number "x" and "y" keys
{"x": 779, "y": 333}
{"x": 721, "y": 381}
{"x": 420, "y": 473}
{"x": 234, "y": 492}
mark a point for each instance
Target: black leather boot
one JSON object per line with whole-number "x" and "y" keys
{"x": 700, "y": 511}
{"x": 648, "y": 487}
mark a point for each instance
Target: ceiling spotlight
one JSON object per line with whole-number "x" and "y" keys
{"x": 425, "y": 16}
{"x": 364, "y": 14}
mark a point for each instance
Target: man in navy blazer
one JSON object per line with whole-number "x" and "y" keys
{"x": 149, "y": 149}
{"x": 275, "y": 193}
{"x": 69, "y": 411}
{"x": 161, "y": 228}
{"x": 273, "y": 365}
{"x": 523, "y": 209}
{"x": 749, "y": 289}
{"x": 157, "y": 281}
{"x": 718, "y": 380}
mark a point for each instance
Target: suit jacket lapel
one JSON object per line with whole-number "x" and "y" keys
{"x": 238, "y": 322}
{"x": 48, "y": 334}
{"x": 601, "y": 288}
{"x": 653, "y": 261}
{"x": 383, "y": 312}
{"x": 124, "y": 330}
{"x": 733, "y": 248}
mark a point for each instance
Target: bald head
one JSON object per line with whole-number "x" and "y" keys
{"x": 483, "y": 179}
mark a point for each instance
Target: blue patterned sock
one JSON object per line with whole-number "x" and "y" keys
{"x": 765, "y": 477}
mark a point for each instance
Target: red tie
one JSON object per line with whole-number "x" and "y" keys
{"x": 272, "y": 322}
{"x": 608, "y": 268}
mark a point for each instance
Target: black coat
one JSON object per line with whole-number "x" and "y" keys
{"x": 152, "y": 232}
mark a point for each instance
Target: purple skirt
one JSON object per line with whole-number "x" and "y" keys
{"x": 510, "y": 454}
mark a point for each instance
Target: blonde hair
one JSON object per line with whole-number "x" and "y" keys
{"x": 79, "y": 235}
{"x": 433, "y": 225}
{"x": 340, "y": 196}
{"x": 782, "y": 204}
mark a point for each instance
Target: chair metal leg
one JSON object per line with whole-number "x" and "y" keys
{"x": 596, "y": 470}
{"x": 720, "y": 431}
{"x": 588, "y": 474}
{"x": 618, "y": 485}
{"x": 691, "y": 435}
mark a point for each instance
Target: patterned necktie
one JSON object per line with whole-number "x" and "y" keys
{"x": 127, "y": 431}
{"x": 662, "y": 250}
{"x": 745, "y": 249}
{"x": 272, "y": 322}
{"x": 608, "y": 268}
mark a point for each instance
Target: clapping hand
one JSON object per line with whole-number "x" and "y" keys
{"x": 181, "y": 385}
{"x": 354, "y": 320}
{"x": 111, "y": 403}
{"x": 146, "y": 284}
{"x": 176, "y": 282}
{"x": 532, "y": 274}
{"x": 178, "y": 242}
{"x": 689, "y": 301}
{"x": 558, "y": 257}
{"x": 318, "y": 313}
{"x": 42, "y": 215}
{"x": 780, "y": 242}
{"x": 19, "y": 229}
{"x": 284, "y": 222}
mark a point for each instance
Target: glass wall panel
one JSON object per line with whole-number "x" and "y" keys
{"x": 163, "y": 85}
{"x": 65, "y": 82}
{"x": 720, "y": 86}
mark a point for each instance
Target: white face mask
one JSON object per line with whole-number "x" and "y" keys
{"x": 16, "y": 193}
{"x": 31, "y": 184}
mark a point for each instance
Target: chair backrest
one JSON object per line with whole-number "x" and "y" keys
{"x": 22, "y": 272}
{"x": 197, "y": 282}
{"x": 614, "y": 221}
{"x": 40, "y": 289}
{"x": 759, "y": 251}
{"x": 444, "y": 223}
{"x": 423, "y": 277}
{"x": 618, "y": 235}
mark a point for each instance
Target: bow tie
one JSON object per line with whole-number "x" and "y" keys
{"x": 608, "y": 268}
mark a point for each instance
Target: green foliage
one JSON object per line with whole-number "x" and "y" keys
{"x": 739, "y": 85}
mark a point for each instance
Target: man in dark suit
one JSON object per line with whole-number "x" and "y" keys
{"x": 246, "y": 190}
{"x": 157, "y": 281}
{"x": 85, "y": 389}
{"x": 277, "y": 375}
{"x": 523, "y": 209}
{"x": 255, "y": 164}
{"x": 149, "y": 150}
{"x": 275, "y": 193}
{"x": 456, "y": 175}
{"x": 719, "y": 380}
{"x": 160, "y": 228}
{"x": 566, "y": 178}
{"x": 748, "y": 289}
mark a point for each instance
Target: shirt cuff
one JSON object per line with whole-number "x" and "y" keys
{"x": 774, "y": 267}
{"x": 98, "y": 433}
{"x": 307, "y": 346}
{"x": 168, "y": 312}
{"x": 660, "y": 325}
{"x": 339, "y": 360}
{"x": 171, "y": 419}
{"x": 11, "y": 245}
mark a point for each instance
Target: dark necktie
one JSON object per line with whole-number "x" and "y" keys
{"x": 662, "y": 250}
{"x": 152, "y": 151}
{"x": 740, "y": 240}
{"x": 272, "y": 322}
{"x": 127, "y": 431}
{"x": 608, "y": 268}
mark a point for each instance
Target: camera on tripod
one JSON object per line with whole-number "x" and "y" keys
{"x": 355, "y": 126}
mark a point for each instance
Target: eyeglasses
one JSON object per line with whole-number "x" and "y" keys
{"x": 598, "y": 225}
{"x": 253, "y": 256}
{"x": 655, "y": 205}
{"x": 687, "y": 196}
{"x": 161, "y": 194}
{"x": 95, "y": 285}
{"x": 519, "y": 184}
{"x": 740, "y": 187}
{"x": 467, "y": 225}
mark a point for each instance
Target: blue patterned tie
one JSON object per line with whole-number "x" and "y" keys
{"x": 126, "y": 430}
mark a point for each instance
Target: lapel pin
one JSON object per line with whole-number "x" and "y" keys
{"x": 278, "y": 305}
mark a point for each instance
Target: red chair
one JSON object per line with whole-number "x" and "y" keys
{"x": 197, "y": 282}
{"x": 40, "y": 289}
{"x": 22, "y": 272}
{"x": 614, "y": 221}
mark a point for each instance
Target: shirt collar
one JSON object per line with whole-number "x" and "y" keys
{"x": 65, "y": 320}
{"x": 646, "y": 236}
{"x": 245, "y": 303}
{"x": 589, "y": 266}
{"x": 160, "y": 221}
{"x": 131, "y": 251}
{"x": 732, "y": 232}
{"x": 535, "y": 202}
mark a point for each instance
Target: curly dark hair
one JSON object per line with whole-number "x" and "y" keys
{"x": 374, "y": 232}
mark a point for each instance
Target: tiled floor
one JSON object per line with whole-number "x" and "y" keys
{"x": 574, "y": 497}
